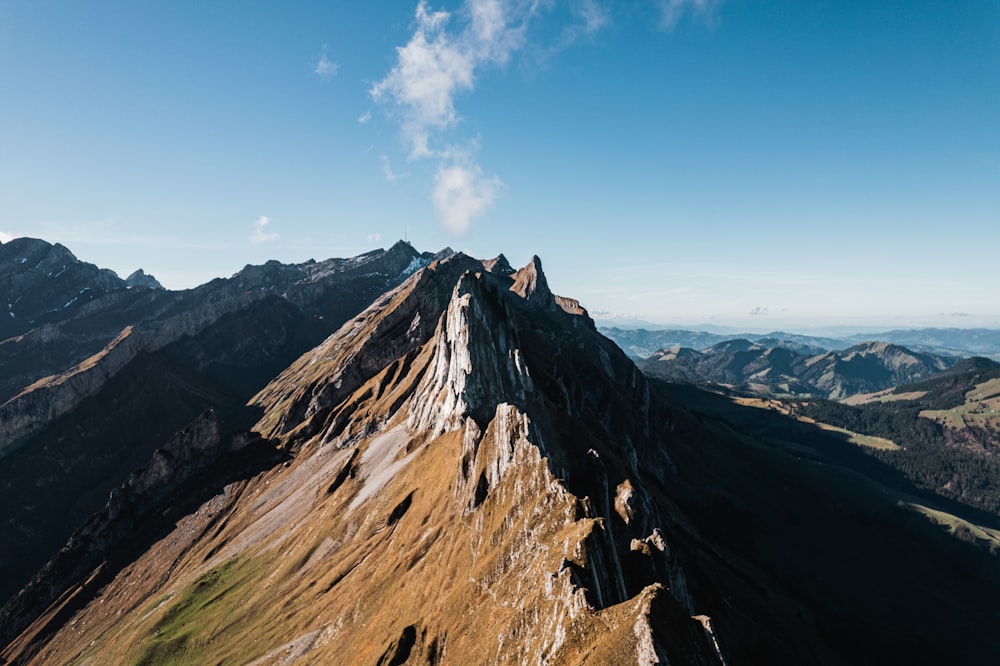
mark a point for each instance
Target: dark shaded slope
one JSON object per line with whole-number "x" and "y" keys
{"x": 192, "y": 467}
{"x": 794, "y": 538}
{"x": 42, "y": 284}
{"x": 208, "y": 348}
{"x": 948, "y": 428}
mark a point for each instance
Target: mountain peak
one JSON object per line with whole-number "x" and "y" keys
{"x": 141, "y": 278}
{"x": 498, "y": 265}
{"x": 531, "y": 285}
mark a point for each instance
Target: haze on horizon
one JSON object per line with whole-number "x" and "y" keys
{"x": 795, "y": 164}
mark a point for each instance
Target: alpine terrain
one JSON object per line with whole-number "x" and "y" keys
{"x": 461, "y": 470}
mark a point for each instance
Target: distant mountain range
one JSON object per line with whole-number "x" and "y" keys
{"x": 768, "y": 367}
{"x": 961, "y": 342}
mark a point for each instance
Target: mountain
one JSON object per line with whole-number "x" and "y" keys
{"x": 467, "y": 472}
{"x": 953, "y": 341}
{"x": 947, "y": 428}
{"x": 44, "y": 283}
{"x": 90, "y": 391}
{"x": 764, "y": 368}
{"x": 641, "y": 343}
{"x": 140, "y": 278}
{"x": 431, "y": 469}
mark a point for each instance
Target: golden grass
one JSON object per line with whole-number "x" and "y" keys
{"x": 852, "y": 437}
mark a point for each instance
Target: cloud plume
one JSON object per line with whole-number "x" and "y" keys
{"x": 260, "y": 233}
{"x": 437, "y": 64}
{"x": 443, "y": 58}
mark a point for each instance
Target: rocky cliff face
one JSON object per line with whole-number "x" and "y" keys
{"x": 466, "y": 472}
{"x": 456, "y": 496}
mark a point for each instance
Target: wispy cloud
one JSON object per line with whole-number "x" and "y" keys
{"x": 594, "y": 16}
{"x": 442, "y": 60}
{"x": 671, "y": 11}
{"x": 364, "y": 117}
{"x": 373, "y": 238}
{"x": 5, "y": 237}
{"x": 260, "y": 233}
{"x": 590, "y": 18}
{"x": 326, "y": 69}
{"x": 432, "y": 67}
{"x": 390, "y": 175}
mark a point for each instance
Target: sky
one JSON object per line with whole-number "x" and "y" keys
{"x": 756, "y": 164}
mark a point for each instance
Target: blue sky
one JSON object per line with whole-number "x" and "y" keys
{"x": 682, "y": 162}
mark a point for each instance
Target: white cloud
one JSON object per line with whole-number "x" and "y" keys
{"x": 461, "y": 193}
{"x": 671, "y": 11}
{"x": 437, "y": 63}
{"x": 442, "y": 59}
{"x": 364, "y": 117}
{"x": 374, "y": 238}
{"x": 431, "y": 68}
{"x": 5, "y": 237}
{"x": 326, "y": 69}
{"x": 260, "y": 233}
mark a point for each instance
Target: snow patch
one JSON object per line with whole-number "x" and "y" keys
{"x": 415, "y": 265}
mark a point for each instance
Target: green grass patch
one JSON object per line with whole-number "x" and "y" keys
{"x": 186, "y": 630}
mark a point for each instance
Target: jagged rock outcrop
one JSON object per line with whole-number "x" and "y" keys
{"x": 140, "y": 278}
{"x": 471, "y": 474}
{"x": 446, "y": 459}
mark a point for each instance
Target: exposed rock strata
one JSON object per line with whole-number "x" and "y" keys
{"x": 478, "y": 523}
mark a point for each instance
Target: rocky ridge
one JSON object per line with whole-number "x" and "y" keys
{"x": 85, "y": 399}
{"x": 466, "y": 472}
{"x": 45, "y": 283}
{"x": 465, "y": 445}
